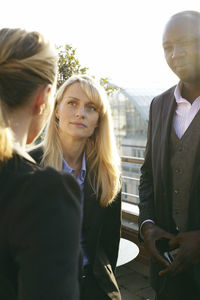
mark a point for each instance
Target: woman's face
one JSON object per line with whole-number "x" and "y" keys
{"x": 77, "y": 115}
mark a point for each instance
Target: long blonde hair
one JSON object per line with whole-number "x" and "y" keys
{"x": 102, "y": 159}
{"x": 27, "y": 61}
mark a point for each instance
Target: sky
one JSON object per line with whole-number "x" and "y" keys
{"x": 117, "y": 39}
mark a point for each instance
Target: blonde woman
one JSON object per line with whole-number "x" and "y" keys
{"x": 80, "y": 140}
{"x": 39, "y": 209}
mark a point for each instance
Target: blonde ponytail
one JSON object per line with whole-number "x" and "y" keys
{"x": 5, "y": 139}
{"x": 27, "y": 61}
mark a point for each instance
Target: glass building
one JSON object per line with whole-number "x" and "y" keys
{"x": 130, "y": 111}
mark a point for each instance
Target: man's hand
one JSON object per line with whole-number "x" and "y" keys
{"x": 151, "y": 235}
{"x": 188, "y": 252}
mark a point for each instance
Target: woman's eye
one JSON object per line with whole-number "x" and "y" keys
{"x": 73, "y": 103}
{"x": 92, "y": 108}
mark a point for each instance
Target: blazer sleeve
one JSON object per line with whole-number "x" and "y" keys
{"x": 44, "y": 236}
{"x": 112, "y": 231}
{"x": 146, "y": 189}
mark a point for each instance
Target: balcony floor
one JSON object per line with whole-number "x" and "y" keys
{"x": 133, "y": 282}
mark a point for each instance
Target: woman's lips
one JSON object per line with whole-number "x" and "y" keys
{"x": 78, "y": 124}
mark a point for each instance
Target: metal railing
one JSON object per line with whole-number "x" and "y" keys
{"x": 132, "y": 160}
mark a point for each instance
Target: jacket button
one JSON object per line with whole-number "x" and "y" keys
{"x": 178, "y": 171}
{"x": 176, "y": 191}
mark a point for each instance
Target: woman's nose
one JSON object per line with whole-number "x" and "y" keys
{"x": 80, "y": 111}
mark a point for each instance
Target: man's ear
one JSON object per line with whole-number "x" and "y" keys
{"x": 41, "y": 100}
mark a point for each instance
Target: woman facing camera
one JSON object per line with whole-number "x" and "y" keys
{"x": 40, "y": 215}
{"x": 80, "y": 140}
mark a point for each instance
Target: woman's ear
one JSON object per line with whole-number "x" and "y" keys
{"x": 42, "y": 99}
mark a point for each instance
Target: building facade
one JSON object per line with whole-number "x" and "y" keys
{"x": 130, "y": 111}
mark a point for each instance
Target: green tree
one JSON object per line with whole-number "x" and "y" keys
{"x": 68, "y": 64}
{"x": 110, "y": 88}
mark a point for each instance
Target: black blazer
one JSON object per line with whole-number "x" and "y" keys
{"x": 155, "y": 200}
{"x": 39, "y": 232}
{"x": 101, "y": 229}
{"x": 153, "y": 189}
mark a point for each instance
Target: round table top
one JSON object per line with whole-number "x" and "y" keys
{"x": 127, "y": 252}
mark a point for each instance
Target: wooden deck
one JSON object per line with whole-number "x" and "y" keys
{"x": 133, "y": 280}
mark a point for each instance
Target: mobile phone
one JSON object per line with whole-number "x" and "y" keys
{"x": 170, "y": 255}
{"x": 163, "y": 247}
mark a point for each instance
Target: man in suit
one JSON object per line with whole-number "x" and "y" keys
{"x": 170, "y": 180}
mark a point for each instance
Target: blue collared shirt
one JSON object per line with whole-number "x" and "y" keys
{"x": 81, "y": 175}
{"x": 81, "y": 180}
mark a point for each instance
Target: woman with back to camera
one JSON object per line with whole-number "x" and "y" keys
{"x": 39, "y": 208}
{"x": 80, "y": 140}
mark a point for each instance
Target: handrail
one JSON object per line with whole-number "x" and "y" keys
{"x": 131, "y": 195}
{"x": 131, "y": 178}
{"x": 134, "y": 160}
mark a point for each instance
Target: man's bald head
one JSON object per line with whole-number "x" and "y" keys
{"x": 181, "y": 43}
{"x": 187, "y": 13}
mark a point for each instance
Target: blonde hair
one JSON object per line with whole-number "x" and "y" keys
{"x": 102, "y": 159}
{"x": 27, "y": 61}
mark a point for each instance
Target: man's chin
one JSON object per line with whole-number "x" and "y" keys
{"x": 186, "y": 76}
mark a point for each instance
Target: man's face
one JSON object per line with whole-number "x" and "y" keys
{"x": 181, "y": 43}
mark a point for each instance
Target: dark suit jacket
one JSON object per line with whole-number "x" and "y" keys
{"x": 155, "y": 201}
{"x": 101, "y": 228}
{"x": 39, "y": 233}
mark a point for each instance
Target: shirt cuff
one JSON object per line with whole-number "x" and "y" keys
{"x": 148, "y": 220}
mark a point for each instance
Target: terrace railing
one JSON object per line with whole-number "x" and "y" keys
{"x": 130, "y": 210}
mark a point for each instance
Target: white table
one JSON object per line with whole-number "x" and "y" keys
{"x": 127, "y": 252}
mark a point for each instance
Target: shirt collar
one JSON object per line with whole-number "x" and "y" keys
{"x": 67, "y": 168}
{"x": 177, "y": 93}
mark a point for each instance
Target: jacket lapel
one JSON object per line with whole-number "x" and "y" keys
{"x": 92, "y": 219}
{"x": 169, "y": 106}
{"x": 91, "y": 204}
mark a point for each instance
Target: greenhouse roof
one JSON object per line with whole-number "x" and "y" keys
{"x": 141, "y": 98}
